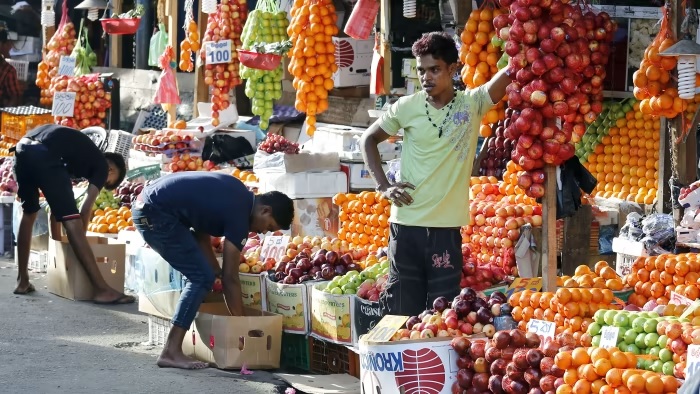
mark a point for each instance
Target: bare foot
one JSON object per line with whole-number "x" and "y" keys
{"x": 180, "y": 361}
{"x": 24, "y": 288}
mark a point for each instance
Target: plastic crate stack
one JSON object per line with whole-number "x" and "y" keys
{"x": 17, "y": 121}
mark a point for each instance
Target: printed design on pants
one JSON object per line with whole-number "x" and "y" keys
{"x": 442, "y": 261}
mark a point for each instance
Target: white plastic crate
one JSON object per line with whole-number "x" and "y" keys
{"x": 158, "y": 329}
{"x": 22, "y": 68}
{"x": 38, "y": 261}
{"x": 627, "y": 252}
{"x": 120, "y": 142}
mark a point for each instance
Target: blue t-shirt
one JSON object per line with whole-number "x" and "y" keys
{"x": 213, "y": 203}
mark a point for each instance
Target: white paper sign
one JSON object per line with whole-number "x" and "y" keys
{"x": 63, "y": 104}
{"x": 544, "y": 329}
{"x": 274, "y": 246}
{"x": 66, "y": 66}
{"x": 608, "y": 336}
{"x": 693, "y": 365}
{"x": 218, "y": 52}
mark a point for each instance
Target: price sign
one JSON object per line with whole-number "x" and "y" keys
{"x": 63, "y": 104}
{"x": 522, "y": 284}
{"x": 678, "y": 299}
{"x": 544, "y": 329}
{"x": 274, "y": 246}
{"x": 608, "y": 337}
{"x": 385, "y": 329}
{"x": 218, "y": 52}
{"x": 693, "y": 364}
{"x": 66, "y": 66}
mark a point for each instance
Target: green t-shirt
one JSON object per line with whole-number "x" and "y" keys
{"x": 439, "y": 168}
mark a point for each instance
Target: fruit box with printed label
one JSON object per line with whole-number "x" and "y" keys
{"x": 292, "y": 302}
{"x": 66, "y": 276}
{"x": 421, "y": 365}
{"x": 354, "y": 59}
{"x": 230, "y": 342}
{"x": 253, "y": 291}
{"x": 315, "y": 217}
{"x": 331, "y": 315}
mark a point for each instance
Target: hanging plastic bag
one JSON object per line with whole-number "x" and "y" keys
{"x": 159, "y": 41}
{"x": 85, "y": 58}
{"x": 167, "y": 92}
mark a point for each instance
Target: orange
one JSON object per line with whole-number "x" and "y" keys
{"x": 582, "y": 387}
{"x": 602, "y": 366}
{"x": 636, "y": 383}
{"x": 579, "y": 357}
{"x": 614, "y": 377}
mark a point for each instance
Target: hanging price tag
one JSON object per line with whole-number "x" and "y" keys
{"x": 63, "y": 104}
{"x": 678, "y": 299}
{"x": 545, "y": 329}
{"x": 218, "y": 52}
{"x": 66, "y": 66}
{"x": 693, "y": 364}
{"x": 608, "y": 337}
{"x": 275, "y": 247}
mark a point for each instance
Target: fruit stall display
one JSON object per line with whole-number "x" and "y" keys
{"x": 92, "y": 102}
{"x": 111, "y": 221}
{"x": 364, "y": 219}
{"x": 655, "y": 278}
{"x": 8, "y": 183}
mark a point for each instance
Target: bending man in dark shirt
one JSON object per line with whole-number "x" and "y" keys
{"x": 177, "y": 216}
{"x": 46, "y": 159}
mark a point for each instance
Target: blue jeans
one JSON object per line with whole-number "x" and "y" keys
{"x": 174, "y": 242}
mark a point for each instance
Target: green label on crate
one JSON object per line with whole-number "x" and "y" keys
{"x": 144, "y": 173}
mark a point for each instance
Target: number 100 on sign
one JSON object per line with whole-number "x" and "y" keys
{"x": 218, "y": 52}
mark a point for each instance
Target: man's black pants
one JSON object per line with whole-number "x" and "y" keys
{"x": 425, "y": 263}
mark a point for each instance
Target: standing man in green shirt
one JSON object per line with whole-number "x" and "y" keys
{"x": 431, "y": 202}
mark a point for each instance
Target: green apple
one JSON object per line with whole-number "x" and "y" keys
{"x": 342, "y": 281}
{"x": 347, "y": 287}
{"x": 610, "y": 317}
{"x": 594, "y": 329}
{"x": 629, "y": 337}
{"x": 384, "y": 264}
{"x": 651, "y": 339}
{"x": 654, "y": 352}
{"x": 656, "y": 366}
{"x": 663, "y": 340}
{"x": 667, "y": 368}
{"x": 641, "y": 363}
{"x": 595, "y": 341}
{"x": 621, "y": 320}
{"x": 336, "y": 291}
{"x": 352, "y": 273}
{"x": 665, "y": 355}
{"x": 639, "y": 341}
{"x": 638, "y": 324}
{"x": 349, "y": 291}
{"x": 650, "y": 326}
{"x": 633, "y": 349}
{"x": 599, "y": 316}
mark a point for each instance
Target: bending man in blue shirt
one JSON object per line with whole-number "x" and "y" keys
{"x": 178, "y": 214}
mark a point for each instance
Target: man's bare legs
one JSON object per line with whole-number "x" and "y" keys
{"x": 24, "y": 239}
{"x": 172, "y": 355}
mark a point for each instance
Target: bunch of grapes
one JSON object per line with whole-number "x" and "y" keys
{"x": 276, "y": 143}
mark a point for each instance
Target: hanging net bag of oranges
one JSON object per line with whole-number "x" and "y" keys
{"x": 652, "y": 82}
{"x": 190, "y": 45}
{"x": 313, "y": 59}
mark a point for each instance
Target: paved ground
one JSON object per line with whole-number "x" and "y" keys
{"x": 52, "y": 345}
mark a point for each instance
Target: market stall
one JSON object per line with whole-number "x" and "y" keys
{"x": 570, "y": 282}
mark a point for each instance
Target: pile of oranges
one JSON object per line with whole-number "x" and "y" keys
{"x": 312, "y": 64}
{"x": 480, "y": 58}
{"x": 111, "y": 221}
{"x": 603, "y": 277}
{"x": 571, "y": 310}
{"x": 364, "y": 219}
{"x": 626, "y": 162}
{"x": 657, "y": 276}
{"x": 244, "y": 176}
{"x": 606, "y": 371}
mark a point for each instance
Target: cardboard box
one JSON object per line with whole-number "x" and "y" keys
{"x": 294, "y": 163}
{"x": 66, "y": 276}
{"x": 229, "y": 342}
{"x": 686, "y": 235}
{"x": 331, "y": 316}
{"x": 305, "y": 184}
{"x": 292, "y": 302}
{"x": 253, "y": 291}
{"x": 354, "y": 60}
{"x": 358, "y": 176}
{"x": 365, "y": 315}
{"x": 346, "y": 141}
{"x": 316, "y": 217}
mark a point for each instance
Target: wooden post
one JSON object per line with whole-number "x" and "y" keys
{"x": 549, "y": 230}
{"x": 201, "y": 90}
{"x": 115, "y": 40}
{"x": 171, "y": 14}
{"x": 385, "y": 43}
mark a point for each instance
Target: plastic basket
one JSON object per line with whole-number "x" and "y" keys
{"x": 16, "y": 121}
{"x": 259, "y": 61}
{"x": 295, "y": 351}
{"x": 329, "y": 358}
{"x": 120, "y": 142}
{"x": 22, "y": 68}
{"x": 158, "y": 329}
{"x": 120, "y": 26}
